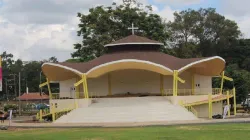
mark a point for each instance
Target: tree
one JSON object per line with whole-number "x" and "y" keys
{"x": 209, "y": 31}
{"x": 30, "y": 74}
{"x": 53, "y": 59}
{"x": 73, "y": 60}
{"x": 105, "y": 24}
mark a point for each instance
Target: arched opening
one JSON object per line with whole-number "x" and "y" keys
{"x": 129, "y": 83}
{"x": 208, "y": 67}
{"x": 56, "y": 72}
{"x": 128, "y": 64}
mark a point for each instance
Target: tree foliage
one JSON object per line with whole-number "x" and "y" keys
{"x": 103, "y": 25}
{"x": 30, "y": 75}
{"x": 192, "y": 33}
{"x": 202, "y": 32}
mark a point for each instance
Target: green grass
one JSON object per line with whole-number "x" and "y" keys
{"x": 195, "y": 132}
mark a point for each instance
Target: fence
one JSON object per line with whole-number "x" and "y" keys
{"x": 189, "y": 92}
{"x": 26, "y": 107}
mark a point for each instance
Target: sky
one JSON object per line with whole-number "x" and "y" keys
{"x": 39, "y": 29}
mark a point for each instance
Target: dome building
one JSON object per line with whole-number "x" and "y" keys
{"x": 134, "y": 71}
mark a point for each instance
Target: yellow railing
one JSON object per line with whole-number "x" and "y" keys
{"x": 73, "y": 95}
{"x": 189, "y": 92}
{"x": 189, "y": 108}
{"x": 55, "y": 114}
{"x": 62, "y": 112}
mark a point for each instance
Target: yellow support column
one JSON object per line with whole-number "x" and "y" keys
{"x": 83, "y": 85}
{"x": 86, "y": 86}
{"x": 53, "y": 112}
{"x": 228, "y": 103}
{"x": 176, "y": 81}
{"x": 109, "y": 84}
{"x": 48, "y": 84}
{"x": 210, "y": 110}
{"x": 193, "y": 84}
{"x": 234, "y": 101}
{"x": 161, "y": 85}
{"x": 77, "y": 92}
{"x": 222, "y": 82}
{"x": 40, "y": 115}
{"x": 174, "y": 78}
{"x": 76, "y": 104}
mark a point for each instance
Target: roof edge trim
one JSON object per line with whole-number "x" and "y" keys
{"x": 135, "y": 43}
{"x": 129, "y": 60}
{"x": 200, "y": 61}
{"x": 64, "y": 67}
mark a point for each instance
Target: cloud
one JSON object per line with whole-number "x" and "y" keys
{"x": 238, "y": 11}
{"x": 243, "y": 23}
{"x": 236, "y": 7}
{"x": 166, "y": 13}
{"x": 177, "y": 3}
{"x": 45, "y": 11}
{"x": 39, "y": 29}
{"x": 29, "y": 42}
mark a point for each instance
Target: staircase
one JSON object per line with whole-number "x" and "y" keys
{"x": 131, "y": 109}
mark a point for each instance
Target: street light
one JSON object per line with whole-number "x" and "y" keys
{"x": 6, "y": 88}
{"x": 15, "y": 83}
{"x": 41, "y": 90}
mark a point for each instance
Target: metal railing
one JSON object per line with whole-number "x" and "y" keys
{"x": 73, "y": 95}
{"x": 52, "y": 113}
{"x": 189, "y": 92}
{"x": 189, "y": 108}
{"x": 59, "y": 114}
{"x": 167, "y": 92}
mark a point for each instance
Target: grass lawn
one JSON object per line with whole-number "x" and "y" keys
{"x": 193, "y": 132}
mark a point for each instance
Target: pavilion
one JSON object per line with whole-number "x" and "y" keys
{"x": 134, "y": 67}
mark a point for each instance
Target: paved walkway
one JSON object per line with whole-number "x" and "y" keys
{"x": 160, "y": 123}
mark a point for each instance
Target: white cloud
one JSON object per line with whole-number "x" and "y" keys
{"x": 178, "y": 2}
{"x": 243, "y": 23}
{"x": 167, "y": 13}
{"x": 45, "y": 11}
{"x": 238, "y": 11}
{"x": 39, "y": 29}
{"x": 236, "y": 7}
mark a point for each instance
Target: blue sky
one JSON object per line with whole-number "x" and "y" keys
{"x": 1, "y": 3}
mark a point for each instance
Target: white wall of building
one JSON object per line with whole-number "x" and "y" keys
{"x": 98, "y": 86}
{"x": 203, "y": 84}
{"x": 124, "y": 81}
{"x": 135, "y": 81}
{"x": 67, "y": 88}
{"x": 63, "y": 104}
{"x": 202, "y": 110}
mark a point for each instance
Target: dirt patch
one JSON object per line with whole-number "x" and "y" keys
{"x": 17, "y": 129}
{"x": 189, "y": 128}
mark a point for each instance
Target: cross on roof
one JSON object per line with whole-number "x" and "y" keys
{"x": 133, "y": 28}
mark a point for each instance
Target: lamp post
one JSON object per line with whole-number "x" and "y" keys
{"x": 41, "y": 90}
{"x": 6, "y": 88}
{"x": 19, "y": 79}
{"x": 15, "y": 83}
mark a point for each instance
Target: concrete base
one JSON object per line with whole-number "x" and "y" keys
{"x": 131, "y": 109}
{"x": 70, "y": 103}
